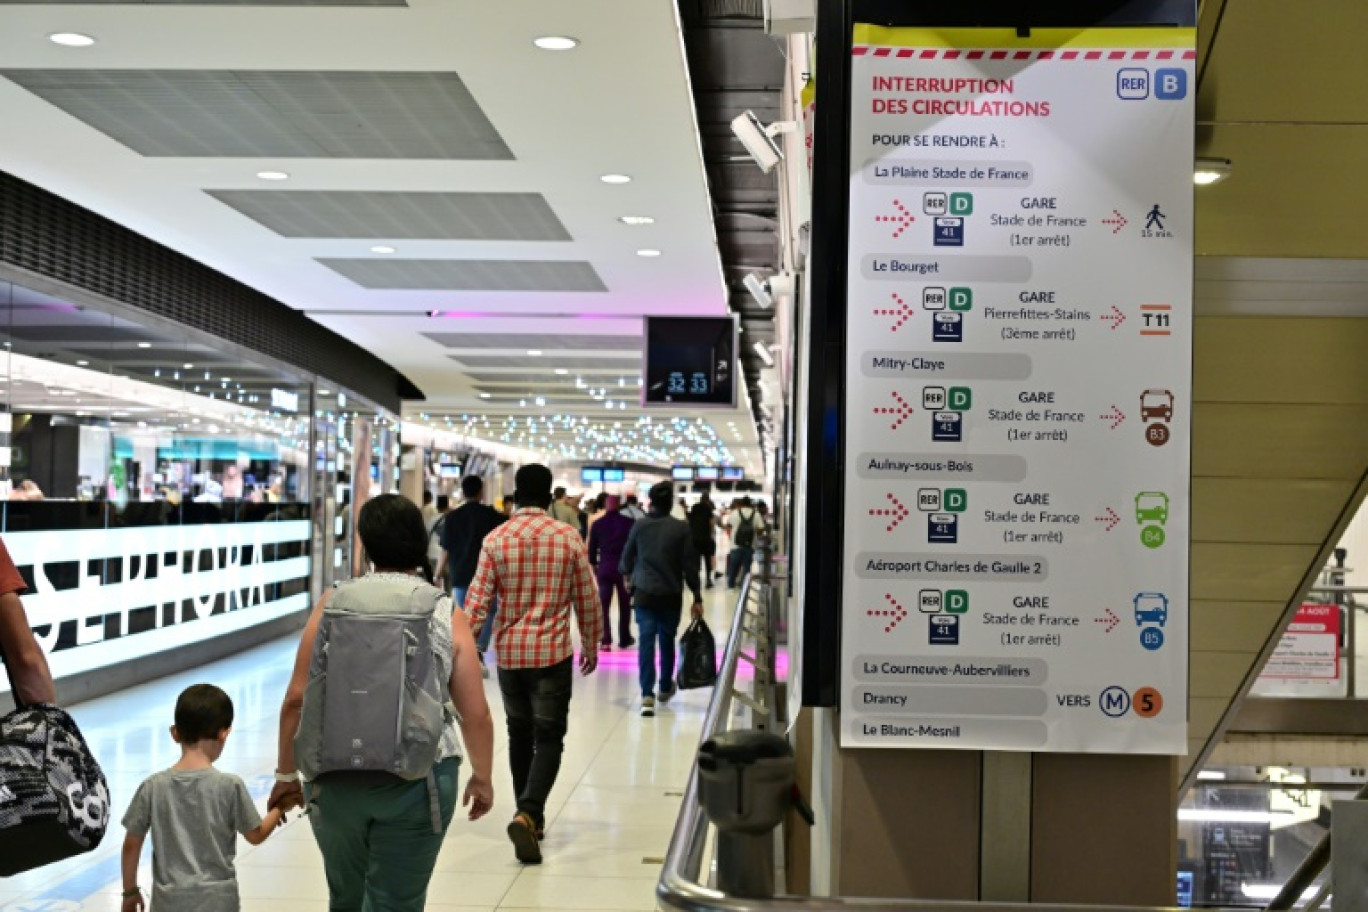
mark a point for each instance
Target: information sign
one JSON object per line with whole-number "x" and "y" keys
{"x": 1018, "y": 390}
{"x": 1309, "y": 651}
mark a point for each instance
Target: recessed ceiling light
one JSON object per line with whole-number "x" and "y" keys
{"x": 637, "y": 220}
{"x": 560, "y": 371}
{"x": 71, "y": 39}
{"x": 144, "y": 345}
{"x": 616, "y": 179}
{"x": 534, "y": 353}
{"x": 187, "y": 366}
{"x": 82, "y": 363}
{"x": 273, "y": 175}
{"x": 486, "y": 396}
{"x": 1210, "y": 170}
{"x": 382, "y": 248}
{"x": 556, "y": 43}
{"x": 648, "y": 252}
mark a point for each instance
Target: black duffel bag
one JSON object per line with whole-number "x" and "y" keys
{"x": 697, "y": 656}
{"x": 54, "y": 801}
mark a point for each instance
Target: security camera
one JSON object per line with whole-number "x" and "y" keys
{"x": 759, "y": 289}
{"x": 759, "y": 139}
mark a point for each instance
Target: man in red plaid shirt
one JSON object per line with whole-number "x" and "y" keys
{"x": 538, "y": 569}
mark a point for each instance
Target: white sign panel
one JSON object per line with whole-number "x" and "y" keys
{"x": 1018, "y": 390}
{"x": 208, "y": 580}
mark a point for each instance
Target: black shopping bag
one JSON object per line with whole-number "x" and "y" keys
{"x": 697, "y": 656}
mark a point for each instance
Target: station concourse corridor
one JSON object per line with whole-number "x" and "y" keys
{"x": 608, "y": 823}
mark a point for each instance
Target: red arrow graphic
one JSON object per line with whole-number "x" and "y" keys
{"x": 903, "y": 219}
{"x": 902, "y": 410}
{"x": 1109, "y": 620}
{"x": 1115, "y": 318}
{"x": 1115, "y": 416}
{"x": 897, "y": 512}
{"x": 896, "y": 612}
{"x": 902, "y": 312}
{"x": 1117, "y": 223}
{"x": 1110, "y": 518}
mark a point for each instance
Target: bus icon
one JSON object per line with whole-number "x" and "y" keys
{"x": 1156, "y": 404}
{"x": 1151, "y": 608}
{"x": 1151, "y": 506}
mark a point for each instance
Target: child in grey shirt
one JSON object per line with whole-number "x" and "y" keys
{"x": 194, "y": 813}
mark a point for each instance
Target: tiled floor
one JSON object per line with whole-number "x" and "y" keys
{"x": 609, "y": 820}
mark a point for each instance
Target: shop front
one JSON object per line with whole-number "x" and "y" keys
{"x": 161, "y": 489}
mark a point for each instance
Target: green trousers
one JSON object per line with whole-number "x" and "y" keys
{"x": 375, "y": 833}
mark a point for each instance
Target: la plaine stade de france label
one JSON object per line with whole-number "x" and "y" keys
{"x": 1018, "y": 387}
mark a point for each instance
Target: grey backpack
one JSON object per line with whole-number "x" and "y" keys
{"x": 375, "y": 699}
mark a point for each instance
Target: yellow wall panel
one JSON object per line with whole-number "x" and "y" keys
{"x": 1253, "y": 572}
{"x": 1228, "y": 626}
{"x": 1314, "y": 360}
{"x": 1284, "y": 511}
{"x": 1218, "y": 674}
{"x": 1279, "y": 441}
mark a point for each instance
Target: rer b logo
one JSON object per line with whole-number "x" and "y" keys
{"x": 1137, "y": 84}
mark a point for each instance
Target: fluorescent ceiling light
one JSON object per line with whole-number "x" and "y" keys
{"x": 1211, "y": 774}
{"x": 1223, "y": 815}
{"x": 71, "y": 39}
{"x": 556, "y": 43}
{"x": 1208, "y": 171}
{"x": 534, "y": 353}
{"x": 144, "y": 345}
{"x": 637, "y": 220}
{"x": 616, "y": 179}
{"x": 485, "y": 396}
{"x": 82, "y": 363}
{"x": 763, "y": 351}
{"x": 561, "y": 372}
{"x": 648, "y": 252}
{"x": 273, "y": 175}
{"x": 187, "y": 366}
{"x": 382, "y": 248}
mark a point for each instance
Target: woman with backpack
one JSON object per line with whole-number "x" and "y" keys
{"x": 368, "y": 720}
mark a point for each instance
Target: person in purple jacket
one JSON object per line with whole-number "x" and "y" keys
{"x": 607, "y": 538}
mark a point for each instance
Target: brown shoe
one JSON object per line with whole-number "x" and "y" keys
{"x": 523, "y": 833}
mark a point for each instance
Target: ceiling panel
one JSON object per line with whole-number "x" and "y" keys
{"x": 561, "y": 342}
{"x": 572, "y": 362}
{"x": 394, "y": 215}
{"x": 205, "y": 2}
{"x": 282, "y": 114}
{"x": 469, "y": 275}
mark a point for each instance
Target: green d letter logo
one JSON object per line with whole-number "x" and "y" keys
{"x": 961, "y": 204}
{"x": 961, "y": 398}
{"x": 956, "y": 601}
{"x": 955, "y": 500}
{"x": 961, "y": 299}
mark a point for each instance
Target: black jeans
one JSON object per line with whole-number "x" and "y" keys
{"x": 609, "y": 583}
{"x": 537, "y": 706}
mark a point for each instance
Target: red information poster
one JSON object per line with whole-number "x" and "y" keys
{"x": 1309, "y": 650}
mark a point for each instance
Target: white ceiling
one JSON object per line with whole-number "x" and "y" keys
{"x": 619, "y": 103}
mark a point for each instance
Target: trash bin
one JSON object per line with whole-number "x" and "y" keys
{"x": 746, "y": 789}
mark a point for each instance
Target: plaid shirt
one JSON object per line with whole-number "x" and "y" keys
{"x": 538, "y": 568}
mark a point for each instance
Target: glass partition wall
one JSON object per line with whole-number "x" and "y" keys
{"x": 158, "y": 488}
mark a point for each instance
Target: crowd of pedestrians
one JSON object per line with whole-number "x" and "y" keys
{"x": 385, "y": 705}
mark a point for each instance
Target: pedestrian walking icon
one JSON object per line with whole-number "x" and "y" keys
{"x": 1155, "y": 221}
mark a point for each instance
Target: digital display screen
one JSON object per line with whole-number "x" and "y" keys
{"x": 708, "y": 473}
{"x": 733, "y": 473}
{"x": 683, "y": 473}
{"x": 614, "y": 474}
{"x": 690, "y": 361}
{"x": 449, "y": 470}
{"x": 589, "y": 476}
